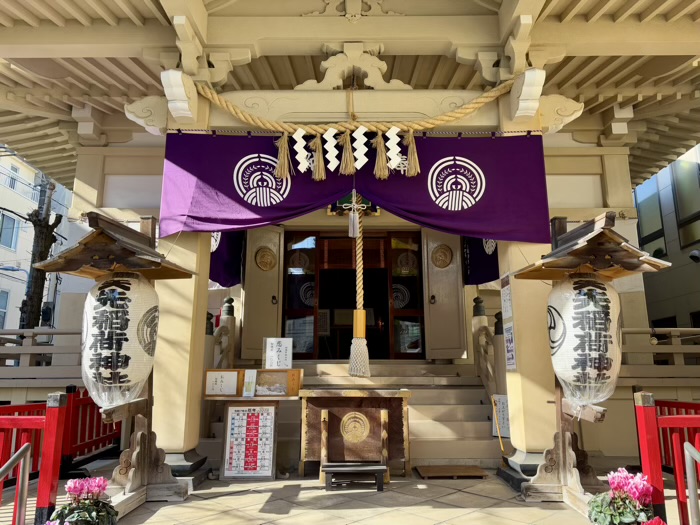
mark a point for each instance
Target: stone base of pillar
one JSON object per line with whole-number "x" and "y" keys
{"x": 184, "y": 464}
{"x": 525, "y": 463}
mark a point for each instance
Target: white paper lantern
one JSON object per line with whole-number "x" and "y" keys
{"x": 120, "y": 325}
{"x": 585, "y": 337}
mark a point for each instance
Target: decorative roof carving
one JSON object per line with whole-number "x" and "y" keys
{"x": 353, "y": 10}
{"x": 354, "y": 58}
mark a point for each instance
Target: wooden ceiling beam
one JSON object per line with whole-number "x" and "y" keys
{"x": 623, "y": 38}
{"x": 682, "y": 9}
{"x": 653, "y": 10}
{"x": 548, "y": 8}
{"x": 21, "y": 12}
{"x": 6, "y": 20}
{"x": 598, "y": 10}
{"x": 158, "y": 12}
{"x": 131, "y": 12}
{"x": 625, "y": 11}
{"x": 102, "y": 10}
{"x": 75, "y": 11}
{"x": 571, "y": 10}
{"x": 96, "y": 40}
{"x": 48, "y": 11}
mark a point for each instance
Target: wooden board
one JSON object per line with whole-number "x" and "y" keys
{"x": 290, "y": 381}
{"x": 451, "y": 471}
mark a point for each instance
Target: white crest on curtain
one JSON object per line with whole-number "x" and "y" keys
{"x": 456, "y": 183}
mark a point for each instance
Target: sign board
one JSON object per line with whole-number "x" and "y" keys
{"x": 249, "y": 450}
{"x": 509, "y": 340}
{"x": 500, "y": 410}
{"x": 277, "y": 353}
{"x": 506, "y": 299}
{"x": 221, "y": 383}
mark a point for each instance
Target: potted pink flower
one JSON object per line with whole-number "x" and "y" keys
{"x": 627, "y": 501}
{"x": 87, "y": 505}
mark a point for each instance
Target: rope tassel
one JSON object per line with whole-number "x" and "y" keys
{"x": 319, "y": 165}
{"x": 347, "y": 164}
{"x": 283, "y": 157}
{"x": 359, "y": 354}
{"x": 413, "y": 167}
{"x": 381, "y": 168}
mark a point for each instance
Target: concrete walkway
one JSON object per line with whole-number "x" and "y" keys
{"x": 404, "y": 502}
{"x": 304, "y": 502}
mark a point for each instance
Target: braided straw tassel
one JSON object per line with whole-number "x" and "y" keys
{"x": 319, "y": 165}
{"x": 413, "y": 167}
{"x": 347, "y": 164}
{"x": 381, "y": 168}
{"x": 283, "y": 158}
{"x": 359, "y": 354}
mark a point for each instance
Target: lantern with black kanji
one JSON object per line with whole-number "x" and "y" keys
{"x": 584, "y": 337}
{"x": 120, "y": 325}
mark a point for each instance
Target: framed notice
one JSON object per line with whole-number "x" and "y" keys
{"x": 221, "y": 383}
{"x": 509, "y": 340}
{"x": 249, "y": 449}
{"x": 277, "y": 353}
{"x": 501, "y": 420}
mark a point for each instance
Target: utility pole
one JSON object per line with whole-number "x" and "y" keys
{"x": 44, "y": 238}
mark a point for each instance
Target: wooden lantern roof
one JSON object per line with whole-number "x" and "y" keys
{"x": 593, "y": 248}
{"x": 113, "y": 247}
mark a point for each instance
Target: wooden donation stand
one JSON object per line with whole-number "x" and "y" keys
{"x": 355, "y": 426}
{"x": 250, "y": 419}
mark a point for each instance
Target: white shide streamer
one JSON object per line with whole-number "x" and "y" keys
{"x": 331, "y": 149}
{"x": 359, "y": 147}
{"x": 300, "y": 148}
{"x": 393, "y": 150}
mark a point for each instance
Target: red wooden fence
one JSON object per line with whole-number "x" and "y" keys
{"x": 663, "y": 427}
{"x": 85, "y": 433}
{"x": 46, "y": 431}
{"x": 82, "y": 434}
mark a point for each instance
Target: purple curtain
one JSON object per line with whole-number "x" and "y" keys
{"x": 478, "y": 187}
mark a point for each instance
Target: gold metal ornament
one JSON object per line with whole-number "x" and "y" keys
{"x": 354, "y": 427}
{"x": 266, "y": 259}
{"x": 441, "y": 256}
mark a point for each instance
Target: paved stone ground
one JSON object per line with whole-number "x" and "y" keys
{"x": 305, "y": 502}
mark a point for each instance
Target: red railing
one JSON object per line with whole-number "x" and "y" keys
{"x": 674, "y": 408}
{"x": 45, "y": 433}
{"x": 85, "y": 433}
{"x": 663, "y": 428}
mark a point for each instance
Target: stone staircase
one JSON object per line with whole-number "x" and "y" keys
{"x": 449, "y": 411}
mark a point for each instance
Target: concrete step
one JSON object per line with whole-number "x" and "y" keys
{"x": 434, "y": 449}
{"x": 449, "y": 396}
{"x": 386, "y": 368}
{"x": 449, "y": 412}
{"x": 450, "y": 429}
{"x": 392, "y": 382}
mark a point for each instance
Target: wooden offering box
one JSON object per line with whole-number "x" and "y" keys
{"x": 354, "y": 408}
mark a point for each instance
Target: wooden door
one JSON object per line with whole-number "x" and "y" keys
{"x": 262, "y": 289}
{"x": 445, "y": 322}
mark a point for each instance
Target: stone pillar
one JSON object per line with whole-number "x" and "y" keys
{"x": 179, "y": 360}
{"x": 531, "y": 386}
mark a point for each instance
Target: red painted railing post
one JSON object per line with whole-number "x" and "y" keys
{"x": 51, "y": 457}
{"x": 650, "y": 449}
{"x": 71, "y": 408}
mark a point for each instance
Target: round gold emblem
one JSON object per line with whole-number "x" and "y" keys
{"x": 441, "y": 256}
{"x": 354, "y": 427}
{"x": 266, "y": 259}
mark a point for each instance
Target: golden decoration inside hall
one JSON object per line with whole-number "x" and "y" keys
{"x": 354, "y": 427}
{"x": 266, "y": 259}
{"x": 441, "y": 256}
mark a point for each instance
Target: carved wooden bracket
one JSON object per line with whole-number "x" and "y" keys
{"x": 525, "y": 94}
{"x": 556, "y": 111}
{"x": 149, "y": 112}
{"x": 353, "y": 10}
{"x": 354, "y": 57}
{"x": 181, "y": 94}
